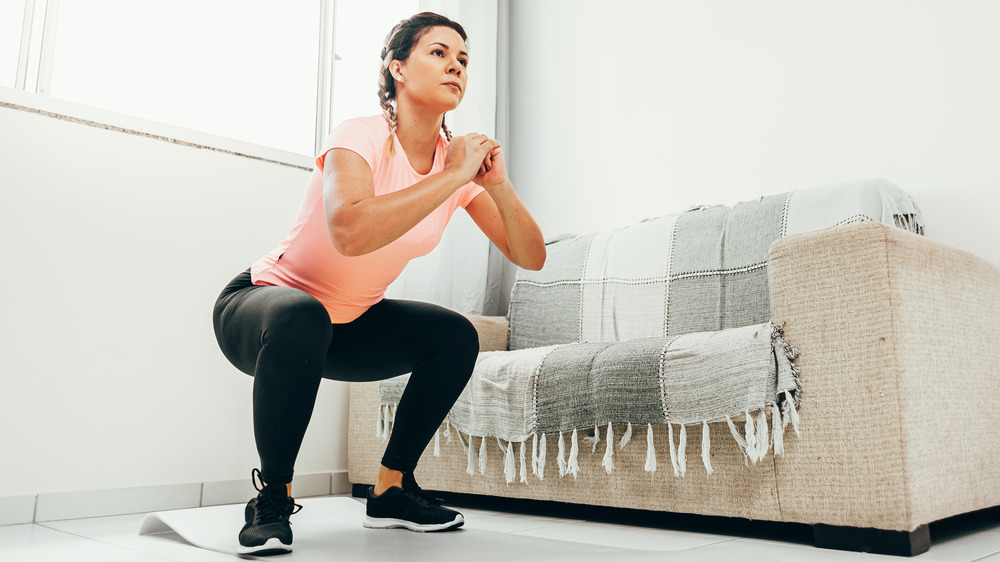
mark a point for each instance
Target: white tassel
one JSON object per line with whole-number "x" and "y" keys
{"x": 534, "y": 454}
{"x": 740, "y": 442}
{"x": 751, "y": 437}
{"x": 562, "y": 456}
{"x": 470, "y": 468}
{"x": 541, "y": 458}
{"x": 627, "y": 437}
{"x": 524, "y": 466}
{"x": 573, "y": 465}
{"x": 509, "y": 468}
{"x": 437, "y": 443}
{"x": 392, "y": 412}
{"x": 763, "y": 439}
{"x": 388, "y": 417}
{"x": 447, "y": 431}
{"x": 379, "y": 425}
{"x": 681, "y": 457}
{"x": 650, "y": 450}
{"x": 706, "y": 445}
{"x": 792, "y": 413}
{"x": 673, "y": 451}
{"x": 593, "y": 439}
{"x": 482, "y": 456}
{"x": 609, "y": 461}
{"x": 777, "y": 431}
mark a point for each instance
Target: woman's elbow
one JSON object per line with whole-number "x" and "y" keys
{"x": 343, "y": 238}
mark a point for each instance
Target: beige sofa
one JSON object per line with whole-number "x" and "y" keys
{"x": 900, "y": 374}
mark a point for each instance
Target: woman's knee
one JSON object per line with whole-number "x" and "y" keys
{"x": 458, "y": 336}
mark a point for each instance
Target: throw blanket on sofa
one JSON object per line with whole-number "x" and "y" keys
{"x": 523, "y": 396}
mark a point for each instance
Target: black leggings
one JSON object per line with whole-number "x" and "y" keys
{"x": 284, "y": 339}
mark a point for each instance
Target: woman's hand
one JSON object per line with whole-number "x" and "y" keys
{"x": 493, "y": 171}
{"x": 467, "y": 155}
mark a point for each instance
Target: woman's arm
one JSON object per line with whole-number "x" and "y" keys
{"x": 359, "y": 222}
{"x": 503, "y": 217}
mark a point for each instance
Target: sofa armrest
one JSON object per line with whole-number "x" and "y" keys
{"x": 899, "y": 373}
{"x": 492, "y": 331}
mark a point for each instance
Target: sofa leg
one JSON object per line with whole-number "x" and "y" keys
{"x": 359, "y": 490}
{"x": 876, "y": 541}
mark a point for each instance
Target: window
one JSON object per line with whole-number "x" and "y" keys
{"x": 11, "y": 18}
{"x": 236, "y": 68}
{"x": 242, "y": 69}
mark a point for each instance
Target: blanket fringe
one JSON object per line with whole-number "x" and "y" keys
{"x": 509, "y": 467}
{"x": 447, "y": 431}
{"x": 379, "y": 424}
{"x": 791, "y": 414}
{"x": 609, "y": 462}
{"x": 706, "y": 444}
{"x": 573, "y": 465}
{"x": 763, "y": 439}
{"x": 593, "y": 439}
{"x": 650, "y": 450}
{"x": 437, "y": 443}
{"x": 388, "y": 420}
{"x": 751, "y": 439}
{"x": 673, "y": 451}
{"x": 534, "y": 454}
{"x": 740, "y": 441}
{"x": 470, "y": 468}
{"x": 562, "y": 456}
{"x": 627, "y": 437}
{"x": 482, "y": 457}
{"x": 681, "y": 446}
{"x": 541, "y": 458}
{"x": 524, "y": 466}
{"x": 777, "y": 431}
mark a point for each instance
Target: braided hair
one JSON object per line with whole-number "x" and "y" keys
{"x": 398, "y": 46}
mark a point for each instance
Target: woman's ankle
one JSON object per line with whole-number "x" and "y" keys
{"x": 387, "y": 478}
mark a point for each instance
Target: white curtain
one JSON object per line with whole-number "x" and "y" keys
{"x": 455, "y": 274}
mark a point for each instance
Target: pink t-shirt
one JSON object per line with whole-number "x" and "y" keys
{"x": 348, "y": 285}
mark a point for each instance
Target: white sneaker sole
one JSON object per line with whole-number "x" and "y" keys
{"x": 272, "y": 546}
{"x": 389, "y": 523}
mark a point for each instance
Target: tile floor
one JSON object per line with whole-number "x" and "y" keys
{"x": 111, "y": 539}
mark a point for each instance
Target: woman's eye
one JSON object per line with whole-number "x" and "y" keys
{"x": 463, "y": 62}
{"x": 438, "y": 52}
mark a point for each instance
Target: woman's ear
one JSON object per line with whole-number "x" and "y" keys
{"x": 396, "y": 69}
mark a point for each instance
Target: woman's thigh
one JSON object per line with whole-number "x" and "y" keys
{"x": 394, "y": 336}
{"x": 248, "y": 317}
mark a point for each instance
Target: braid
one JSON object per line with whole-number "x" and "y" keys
{"x": 444, "y": 127}
{"x": 386, "y": 93}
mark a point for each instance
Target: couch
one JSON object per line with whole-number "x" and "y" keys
{"x": 898, "y": 379}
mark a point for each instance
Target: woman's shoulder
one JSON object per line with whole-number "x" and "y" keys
{"x": 371, "y": 124}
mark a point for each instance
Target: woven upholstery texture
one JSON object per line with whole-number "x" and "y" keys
{"x": 900, "y": 385}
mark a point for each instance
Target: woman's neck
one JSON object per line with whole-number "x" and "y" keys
{"x": 417, "y": 130}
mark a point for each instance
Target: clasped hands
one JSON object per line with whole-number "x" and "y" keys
{"x": 478, "y": 158}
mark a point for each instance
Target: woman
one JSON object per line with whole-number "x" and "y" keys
{"x": 382, "y": 192}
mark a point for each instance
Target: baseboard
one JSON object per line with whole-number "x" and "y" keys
{"x": 102, "y": 503}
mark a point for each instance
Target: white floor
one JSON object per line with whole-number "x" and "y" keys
{"x": 112, "y": 539}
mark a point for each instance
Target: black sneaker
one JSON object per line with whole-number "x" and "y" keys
{"x": 267, "y": 529}
{"x": 410, "y": 485}
{"x": 411, "y": 509}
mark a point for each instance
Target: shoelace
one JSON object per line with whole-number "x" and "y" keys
{"x": 272, "y": 508}
{"x": 410, "y": 485}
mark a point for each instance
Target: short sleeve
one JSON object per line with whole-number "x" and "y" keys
{"x": 469, "y": 192}
{"x": 357, "y": 135}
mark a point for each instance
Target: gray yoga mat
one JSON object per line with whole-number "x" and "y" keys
{"x": 330, "y": 528}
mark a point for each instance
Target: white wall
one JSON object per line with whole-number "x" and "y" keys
{"x": 115, "y": 248}
{"x": 632, "y": 109}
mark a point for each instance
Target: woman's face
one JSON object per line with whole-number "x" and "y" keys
{"x": 435, "y": 75}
